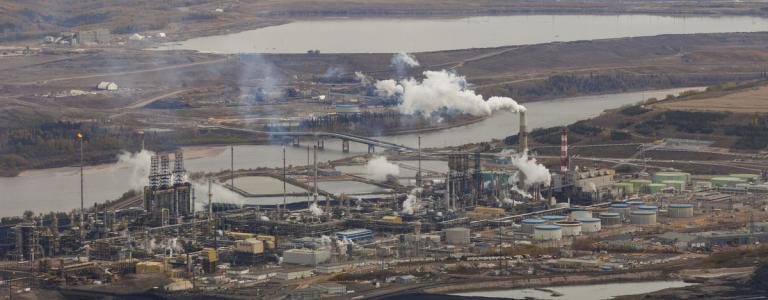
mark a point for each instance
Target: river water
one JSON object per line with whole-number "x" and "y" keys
{"x": 580, "y": 292}
{"x": 58, "y": 189}
{"x": 389, "y": 35}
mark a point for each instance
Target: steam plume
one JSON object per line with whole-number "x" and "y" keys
{"x": 378, "y": 168}
{"x": 533, "y": 171}
{"x": 362, "y": 78}
{"x": 443, "y": 90}
{"x": 412, "y": 203}
{"x": 139, "y": 163}
{"x": 402, "y": 61}
{"x": 315, "y": 210}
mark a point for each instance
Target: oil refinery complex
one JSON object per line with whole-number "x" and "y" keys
{"x": 366, "y": 226}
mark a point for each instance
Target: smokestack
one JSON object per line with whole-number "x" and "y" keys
{"x": 564, "y": 152}
{"x": 523, "y": 134}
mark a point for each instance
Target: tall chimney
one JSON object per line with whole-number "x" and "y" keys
{"x": 523, "y": 134}
{"x": 564, "y": 152}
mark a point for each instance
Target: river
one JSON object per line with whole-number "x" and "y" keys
{"x": 389, "y": 35}
{"x": 58, "y": 189}
{"x": 579, "y": 292}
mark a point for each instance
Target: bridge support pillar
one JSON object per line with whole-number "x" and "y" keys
{"x": 320, "y": 144}
{"x": 295, "y": 142}
{"x": 345, "y": 146}
{"x": 371, "y": 148}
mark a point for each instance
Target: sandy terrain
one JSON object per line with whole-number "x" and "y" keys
{"x": 751, "y": 101}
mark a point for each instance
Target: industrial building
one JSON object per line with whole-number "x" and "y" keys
{"x": 306, "y": 257}
{"x": 355, "y": 234}
{"x": 168, "y": 197}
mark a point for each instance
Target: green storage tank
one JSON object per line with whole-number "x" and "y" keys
{"x": 747, "y": 177}
{"x": 626, "y": 187}
{"x": 660, "y": 177}
{"x": 678, "y": 185}
{"x": 641, "y": 185}
{"x": 726, "y": 181}
{"x": 654, "y": 188}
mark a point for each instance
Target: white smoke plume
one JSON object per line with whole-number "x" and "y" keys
{"x": 264, "y": 218}
{"x": 315, "y": 210}
{"x": 511, "y": 202}
{"x": 533, "y": 171}
{"x": 388, "y": 88}
{"x": 378, "y": 168}
{"x": 593, "y": 187}
{"x": 513, "y": 185}
{"x": 325, "y": 240}
{"x": 402, "y": 61}
{"x": 412, "y": 204}
{"x": 139, "y": 163}
{"x": 443, "y": 90}
{"x": 362, "y": 78}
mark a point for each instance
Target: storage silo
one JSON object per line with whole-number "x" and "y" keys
{"x": 610, "y": 218}
{"x": 680, "y": 210}
{"x": 589, "y": 225}
{"x": 655, "y": 188}
{"x": 570, "y": 228}
{"x": 633, "y": 204}
{"x": 553, "y": 219}
{"x": 643, "y": 217}
{"x": 580, "y": 213}
{"x": 725, "y": 181}
{"x": 625, "y": 187}
{"x": 528, "y": 224}
{"x": 647, "y": 208}
{"x": 640, "y": 185}
{"x": 547, "y": 232}
{"x": 620, "y": 208}
{"x": 660, "y": 177}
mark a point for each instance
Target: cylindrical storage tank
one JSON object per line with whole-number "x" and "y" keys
{"x": 747, "y": 177}
{"x": 678, "y": 185}
{"x": 589, "y": 225}
{"x": 682, "y": 210}
{"x": 726, "y": 181}
{"x": 570, "y": 228}
{"x": 610, "y": 218}
{"x": 655, "y": 188}
{"x": 547, "y": 232}
{"x": 626, "y": 187}
{"x": 643, "y": 217}
{"x": 580, "y": 213}
{"x": 553, "y": 219}
{"x": 620, "y": 208}
{"x": 660, "y": 177}
{"x": 648, "y": 207}
{"x": 528, "y": 224}
{"x": 633, "y": 204}
{"x": 641, "y": 185}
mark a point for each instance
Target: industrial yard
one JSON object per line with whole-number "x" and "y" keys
{"x": 135, "y": 164}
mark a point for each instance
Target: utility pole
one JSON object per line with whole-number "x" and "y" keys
{"x": 82, "y": 197}
{"x": 315, "y": 179}
{"x": 284, "y": 177}
{"x": 232, "y": 166}
{"x": 309, "y": 163}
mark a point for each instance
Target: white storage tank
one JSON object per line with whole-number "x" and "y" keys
{"x": 528, "y": 224}
{"x": 553, "y": 219}
{"x": 547, "y": 232}
{"x": 610, "y": 218}
{"x": 589, "y": 225}
{"x": 457, "y": 236}
{"x": 647, "y": 208}
{"x": 580, "y": 213}
{"x": 680, "y": 210}
{"x": 643, "y": 217}
{"x": 570, "y": 228}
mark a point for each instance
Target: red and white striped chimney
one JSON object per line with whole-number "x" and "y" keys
{"x": 564, "y": 151}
